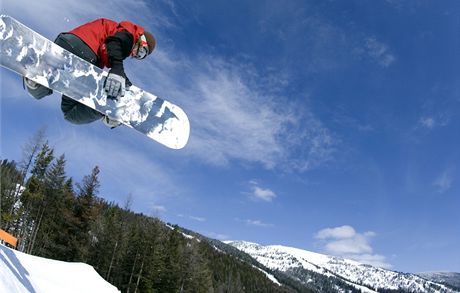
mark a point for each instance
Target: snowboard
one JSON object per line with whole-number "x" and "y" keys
{"x": 29, "y": 54}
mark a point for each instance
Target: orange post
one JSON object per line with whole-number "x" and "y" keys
{"x": 8, "y": 238}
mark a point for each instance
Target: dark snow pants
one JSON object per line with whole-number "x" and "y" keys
{"x": 74, "y": 111}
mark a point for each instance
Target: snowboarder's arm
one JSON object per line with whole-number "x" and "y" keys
{"x": 119, "y": 47}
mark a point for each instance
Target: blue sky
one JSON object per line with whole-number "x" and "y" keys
{"x": 331, "y": 126}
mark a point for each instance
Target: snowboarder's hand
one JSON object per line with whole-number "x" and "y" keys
{"x": 115, "y": 86}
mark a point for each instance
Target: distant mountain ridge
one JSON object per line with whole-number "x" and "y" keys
{"x": 446, "y": 278}
{"x": 346, "y": 274}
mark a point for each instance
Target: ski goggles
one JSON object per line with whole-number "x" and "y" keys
{"x": 141, "y": 49}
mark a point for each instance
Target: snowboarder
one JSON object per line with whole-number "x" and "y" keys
{"x": 104, "y": 43}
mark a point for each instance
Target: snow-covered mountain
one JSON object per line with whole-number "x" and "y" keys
{"x": 305, "y": 266}
{"x": 20, "y": 272}
{"x": 448, "y": 278}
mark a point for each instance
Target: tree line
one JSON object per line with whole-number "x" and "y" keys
{"x": 54, "y": 217}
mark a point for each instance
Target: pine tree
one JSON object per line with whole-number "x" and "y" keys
{"x": 53, "y": 240}
{"x": 69, "y": 226}
{"x": 30, "y": 150}
{"x": 107, "y": 249}
{"x": 86, "y": 211}
{"x": 10, "y": 187}
{"x": 33, "y": 199}
{"x": 196, "y": 275}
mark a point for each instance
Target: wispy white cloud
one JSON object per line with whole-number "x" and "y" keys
{"x": 376, "y": 260}
{"x": 218, "y": 236}
{"x": 379, "y": 52}
{"x": 195, "y": 218}
{"x": 345, "y": 242}
{"x": 337, "y": 233}
{"x": 257, "y": 223}
{"x": 254, "y": 223}
{"x": 431, "y": 122}
{"x": 427, "y": 122}
{"x": 236, "y": 120}
{"x": 158, "y": 209}
{"x": 444, "y": 181}
{"x": 199, "y": 219}
{"x": 260, "y": 193}
{"x": 263, "y": 194}
{"x": 344, "y": 119}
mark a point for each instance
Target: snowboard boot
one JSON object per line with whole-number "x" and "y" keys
{"x": 110, "y": 122}
{"x": 36, "y": 90}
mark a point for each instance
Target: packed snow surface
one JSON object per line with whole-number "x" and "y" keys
{"x": 20, "y": 272}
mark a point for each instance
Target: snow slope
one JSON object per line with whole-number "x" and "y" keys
{"x": 452, "y": 279}
{"x": 363, "y": 277}
{"x": 20, "y": 272}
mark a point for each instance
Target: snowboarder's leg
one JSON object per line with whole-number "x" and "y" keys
{"x": 36, "y": 90}
{"x": 78, "y": 113}
{"x": 74, "y": 111}
{"x": 75, "y": 45}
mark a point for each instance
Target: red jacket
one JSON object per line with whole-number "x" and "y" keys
{"x": 94, "y": 34}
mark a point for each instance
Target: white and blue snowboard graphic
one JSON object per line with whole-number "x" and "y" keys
{"x": 31, "y": 55}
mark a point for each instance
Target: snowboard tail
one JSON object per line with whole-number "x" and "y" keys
{"x": 31, "y": 55}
